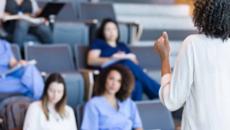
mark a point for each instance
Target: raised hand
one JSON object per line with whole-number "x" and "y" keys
{"x": 162, "y": 46}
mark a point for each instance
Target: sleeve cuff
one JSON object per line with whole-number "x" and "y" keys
{"x": 165, "y": 82}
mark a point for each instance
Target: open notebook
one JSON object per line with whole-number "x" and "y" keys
{"x": 111, "y": 62}
{"x": 3, "y": 75}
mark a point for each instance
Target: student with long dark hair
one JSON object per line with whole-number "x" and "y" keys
{"x": 107, "y": 48}
{"x": 51, "y": 112}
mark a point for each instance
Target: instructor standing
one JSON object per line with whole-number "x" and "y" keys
{"x": 201, "y": 78}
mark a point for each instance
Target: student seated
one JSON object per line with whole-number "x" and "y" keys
{"x": 111, "y": 108}
{"x": 25, "y": 80}
{"x": 19, "y": 19}
{"x": 51, "y": 112}
{"x": 107, "y": 48}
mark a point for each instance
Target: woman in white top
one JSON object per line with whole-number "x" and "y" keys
{"x": 201, "y": 78}
{"x": 51, "y": 113}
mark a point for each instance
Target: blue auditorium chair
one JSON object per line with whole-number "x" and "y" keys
{"x": 155, "y": 116}
{"x": 59, "y": 58}
{"x": 99, "y": 11}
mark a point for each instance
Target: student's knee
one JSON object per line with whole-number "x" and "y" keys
{"x": 127, "y": 62}
{"x": 30, "y": 68}
{"x": 22, "y": 24}
{"x": 47, "y": 33}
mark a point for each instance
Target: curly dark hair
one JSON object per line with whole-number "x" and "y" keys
{"x": 127, "y": 82}
{"x": 101, "y": 29}
{"x": 212, "y": 17}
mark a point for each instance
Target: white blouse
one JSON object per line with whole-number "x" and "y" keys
{"x": 35, "y": 119}
{"x": 201, "y": 83}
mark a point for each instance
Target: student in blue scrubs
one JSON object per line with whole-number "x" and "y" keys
{"x": 26, "y": 80}
{"x": 111, "y": 108}
{"x": 107, "y": 48}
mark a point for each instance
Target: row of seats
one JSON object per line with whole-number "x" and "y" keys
{"x": 152, "y": 18}
{"x": 72, "y": 64}
{"x": 75, "y": 30}
{"x": 86, "y": 14}
{"x": 59, "y": 58}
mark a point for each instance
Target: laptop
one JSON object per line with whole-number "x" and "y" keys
{"x": 51, "y": 8}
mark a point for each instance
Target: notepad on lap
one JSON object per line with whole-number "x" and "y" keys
{"x": 31, "y": 62}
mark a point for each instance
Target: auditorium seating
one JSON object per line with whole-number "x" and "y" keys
{"x": 99, "y": 11}
{"x": 51, "y": 58}
{"x": 155, "y": 116}
{"x": 80, "y": 53}
{"x": 59, "y": 58}
{"x": 71, "y": 33}
{"x": 79, "y": 111}
{"x": 16, "y": 51}
{"x": 73, "y": 26}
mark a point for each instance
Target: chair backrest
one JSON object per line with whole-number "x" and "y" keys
{"x": 79, "y": 113}
{"x": 81, "y": 53}
{"x": 155, "y": 116}
{"x": 16, "y": 51}
{"x": 71, "y": 33}
{"x": 68, "y": 12}
{"x": 75, "y": 88}
{"x": 51, "y": 58}
{"x": 13, "y": 111}
{"x": 147, "y": 58}
{"x": 97, "y": 11}
{"x": 100, "y": 11}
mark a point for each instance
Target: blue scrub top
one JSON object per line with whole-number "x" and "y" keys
{"x": 100, "y": 115}
{"x": 6, "y": 55}
{"x": 26, "y": 80}
{"x": 107, "y": 50}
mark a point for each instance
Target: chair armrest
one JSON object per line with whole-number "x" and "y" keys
{"x": 135, "y": 28}
{"x": 89, "y": 21}
{"x": 88, "y": 76}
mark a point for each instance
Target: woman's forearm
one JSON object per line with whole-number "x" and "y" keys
{"x": 165, "y": 66}
{"x": 98, "y": 61}
{"x": 7, "y": 17}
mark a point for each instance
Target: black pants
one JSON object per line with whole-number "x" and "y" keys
{"x": 20, "y": 29}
